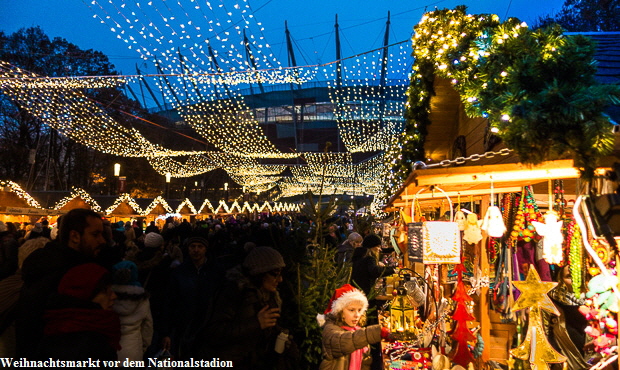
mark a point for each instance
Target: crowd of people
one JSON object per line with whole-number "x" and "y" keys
{"x": 89, "y": 288}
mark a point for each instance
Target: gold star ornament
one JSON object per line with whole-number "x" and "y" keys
{"x": 534, "y": 293}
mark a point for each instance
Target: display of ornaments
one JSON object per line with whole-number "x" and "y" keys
{"x": 528, "y": 211}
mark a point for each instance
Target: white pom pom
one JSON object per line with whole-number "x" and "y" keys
{"x": 320, "y": 318}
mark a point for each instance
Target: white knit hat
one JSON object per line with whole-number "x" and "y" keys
{"x": 341, "y": 298}
{"x": 153, "y": 240}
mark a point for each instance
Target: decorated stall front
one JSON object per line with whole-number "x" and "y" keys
{"x": 497, "y": 187}
{"x": 16, "y": 205}
{"x": 78, "y": 198}
{"x": 123, "y": 209}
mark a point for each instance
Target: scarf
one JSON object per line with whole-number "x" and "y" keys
{"x": 73, "y": 320}
{"x": 355, "y": 359}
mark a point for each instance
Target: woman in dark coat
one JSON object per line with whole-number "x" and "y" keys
{"x": 243, "y": 325}
{"x": 366, "y": 265}
{"x": 79, "y": 322}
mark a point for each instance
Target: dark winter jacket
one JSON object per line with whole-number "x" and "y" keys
{"x": 66, "y": 338}
{"x": 366, "y": 271}
{"x": 345, "y": 252}
{"x": 8, "y": 254}
{"x": 41, "y": 272}
{"x": 233, "y": 332}
{"x": 189, "y": 291}
{"x": 338, "y": 344}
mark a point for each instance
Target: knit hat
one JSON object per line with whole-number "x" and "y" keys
{"x": 371, "y": 241}
{"x": 38, "y": 228}
{"x": 341, "y": 298}
{"x": 263, "y": 259}
{"x": 80, "y": 281}
{"x": 354, "y": 237}
{"x": 125, "y": 273}
{"x": 153, "y": 240}
{"x": 197, "y": 239}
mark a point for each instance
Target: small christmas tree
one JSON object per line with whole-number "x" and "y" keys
{"x": 461, "y": 333}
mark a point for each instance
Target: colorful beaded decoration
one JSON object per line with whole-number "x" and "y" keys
{"x": 575, "y": 257}
{"x": 527, "y": 212}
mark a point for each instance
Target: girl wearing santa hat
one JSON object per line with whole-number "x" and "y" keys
{"x": 345, "y": 341}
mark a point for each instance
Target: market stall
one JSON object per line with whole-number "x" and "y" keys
{"x": 123, "y": 209}
{"x": 158, "y": 210}
{"x": 471, "y": 193}
{"x": 16, "y": 205}
{"x": 504, "y": 202}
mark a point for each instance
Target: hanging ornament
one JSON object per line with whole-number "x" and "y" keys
{"x": 536, "y": 348}
{"x": 575, "y": 257}
{"x": 552, "y": 240}
{"x": 472, "y": 234}
{"x": 460, "y": 219}
{"x": 527, "y": 211}
{"x": 493, "y": 222}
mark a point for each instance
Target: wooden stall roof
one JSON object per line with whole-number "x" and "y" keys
{"x": 11, "y": 199}
{"x": 124, "y": 210}
{"x": 468, "y": 181}
{"x": 76, "y": 202}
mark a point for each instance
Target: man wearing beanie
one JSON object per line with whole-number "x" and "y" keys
{"x": 80, "y": 239}
{"x": 243, "y": 325}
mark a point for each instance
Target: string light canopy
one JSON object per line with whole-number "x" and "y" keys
{"x": 369, "y": 107}
{"x": 71, "y": 112}
{"x": 206, "y": 54}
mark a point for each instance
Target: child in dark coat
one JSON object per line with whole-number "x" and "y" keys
{"x": 79, "y": 322}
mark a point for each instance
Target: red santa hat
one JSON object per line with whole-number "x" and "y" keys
{"x": 341, "y": 298}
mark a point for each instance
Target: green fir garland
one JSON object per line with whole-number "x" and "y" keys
{"x": 536, "y": 88}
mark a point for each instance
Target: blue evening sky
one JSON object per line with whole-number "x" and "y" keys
{"x": 311, "y": 23}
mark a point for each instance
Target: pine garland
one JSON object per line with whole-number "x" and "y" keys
{"x": 536, "y": 87}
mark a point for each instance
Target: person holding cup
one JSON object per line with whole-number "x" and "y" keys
{"x": 243, "y": 324}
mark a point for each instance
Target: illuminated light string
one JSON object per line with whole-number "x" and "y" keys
{"x": 72, "y": 82}
{"x": 156, "y": 202}
{"x": 193, "y": 28}
{"x": 376, "y": 114}
{"x": 125, "y": 198}
{"x": 195, "y": 165}
{"x": 75, "y": 116}
{"x": 223, "y": 124}
{"x": 245, "y": 165}
{"x": 21, "y": 193}
{"x": 222, "y": 207}
{"x": 186, "y": 203}
{"x": 78, "y": 193}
